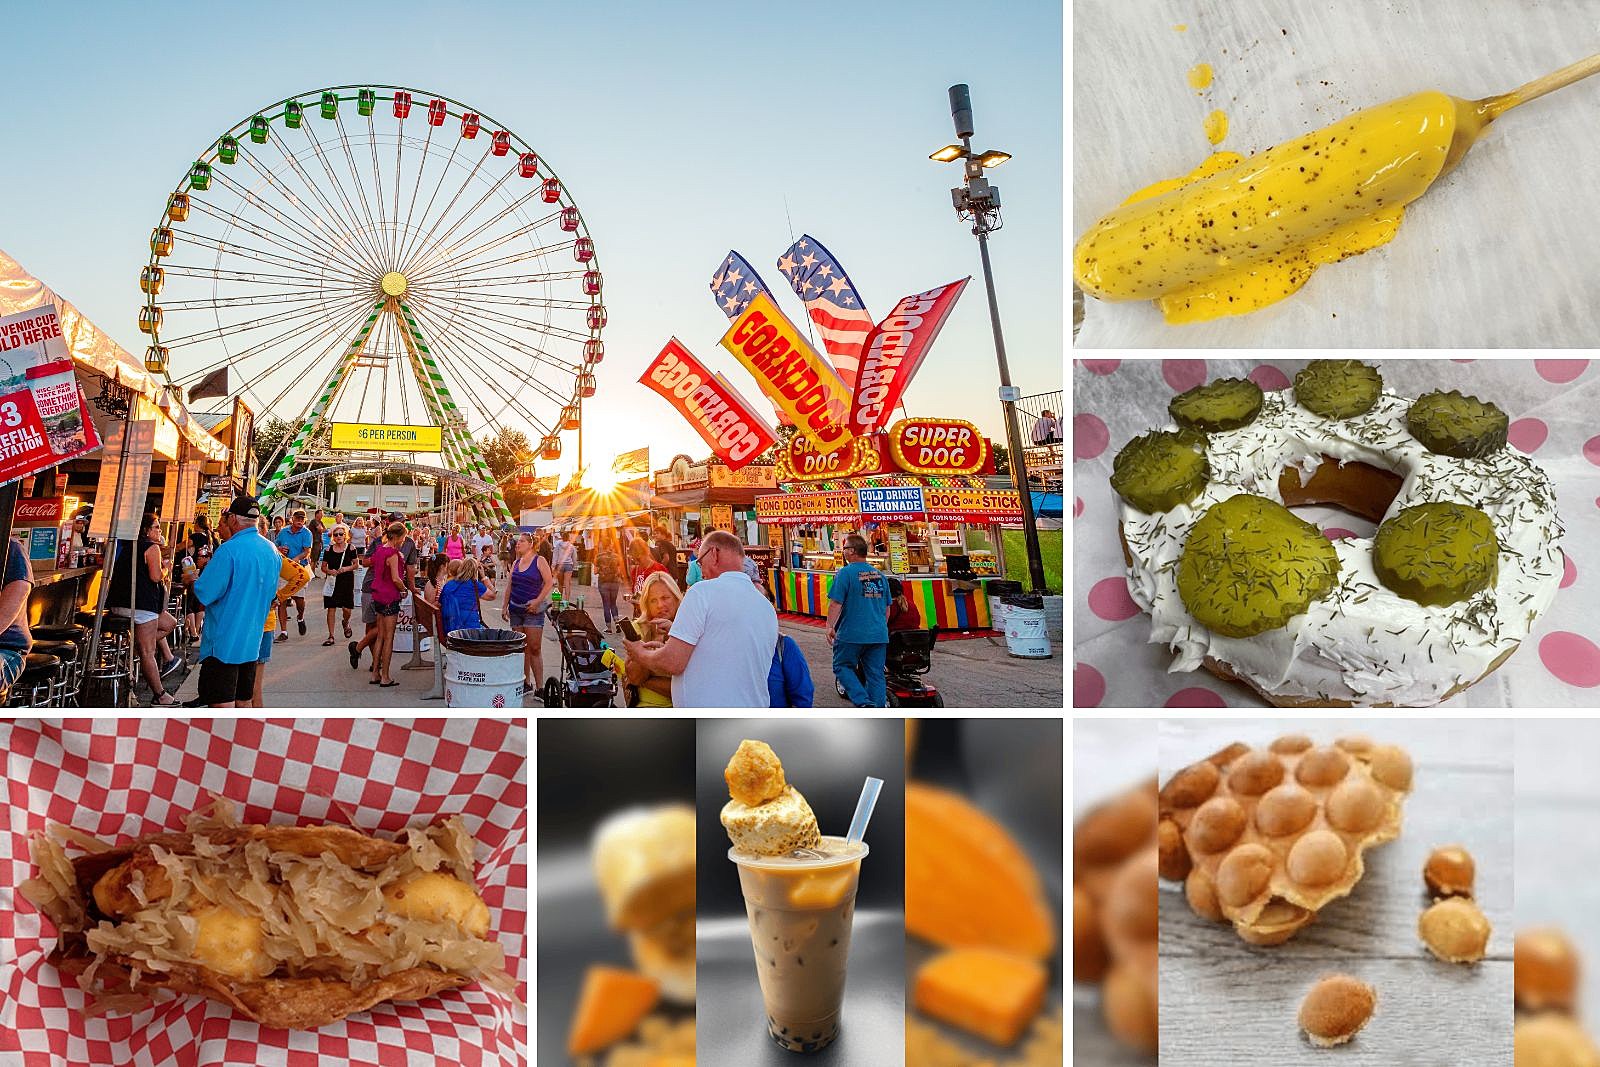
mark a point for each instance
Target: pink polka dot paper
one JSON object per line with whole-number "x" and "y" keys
{"x": 1554, "y": 411}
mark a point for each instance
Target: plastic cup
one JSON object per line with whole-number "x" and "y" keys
{"x": 800, "y": 911}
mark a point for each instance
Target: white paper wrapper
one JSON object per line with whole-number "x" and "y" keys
{"x": 1552, "y": 405}
{"x": 1503, "y": 252}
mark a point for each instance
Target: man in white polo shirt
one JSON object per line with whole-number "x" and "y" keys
{"x": 720, "y": 649}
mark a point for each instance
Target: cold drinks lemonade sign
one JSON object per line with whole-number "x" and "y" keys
{"x": 43, "y": 421}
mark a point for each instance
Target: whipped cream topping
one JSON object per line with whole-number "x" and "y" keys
{"x": 1363, "y": 642}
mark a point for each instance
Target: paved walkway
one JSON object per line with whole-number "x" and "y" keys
{"x": 970, "y": 673}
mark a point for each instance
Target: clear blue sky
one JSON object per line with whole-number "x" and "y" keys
{"x": 681, "y": 130}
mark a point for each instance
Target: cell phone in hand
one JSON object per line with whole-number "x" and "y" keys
{"x": 628, "y": 630}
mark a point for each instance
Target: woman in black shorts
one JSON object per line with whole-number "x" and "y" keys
{"x": 339, "y": 583}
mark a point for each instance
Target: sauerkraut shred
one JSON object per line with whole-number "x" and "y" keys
{"x": 319, "y": 916}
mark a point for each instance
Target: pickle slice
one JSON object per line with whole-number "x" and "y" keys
{"x": 1437, "y": 554}
{"x": 1455, "y": 425}
{"x": 1338, "y": 388}
{"x": 1160, "y": 470}
{"x": 1250, "y": 565}
{"x": 1225, "y": 404}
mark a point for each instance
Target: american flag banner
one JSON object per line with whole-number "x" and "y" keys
{"x": 832, "y": 302}
{"x": 632, "y": 463}
{"x": 735, "y": 284}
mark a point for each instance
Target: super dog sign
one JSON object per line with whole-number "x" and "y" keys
{"x": 938, "y": 446}
{"x": 722, "y": 417}
{"x": 791, "y": 372}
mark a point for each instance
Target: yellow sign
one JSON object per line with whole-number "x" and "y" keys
{"x": 899, "y": 557}
{"x": 791, "y": 373}
{"x": 383, "y": 437}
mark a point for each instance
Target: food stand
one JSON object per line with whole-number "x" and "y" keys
{"x": 918, "y": 494}
{"x": 159, "y": 470}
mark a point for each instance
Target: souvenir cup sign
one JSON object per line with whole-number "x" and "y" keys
{"x": 723, "y": 418}
{"x": 43, "y": 421}
{"x": 803, "y": 384}
{"x": 895, "y": 349}
{"x": 938, "y": 446}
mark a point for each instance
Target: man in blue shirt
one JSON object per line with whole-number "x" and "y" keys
{"x": 858, "y": 626}
{"x": 15, "y": 638}
{"x": 237, "y": 588}
{"x": 295, "y": 541}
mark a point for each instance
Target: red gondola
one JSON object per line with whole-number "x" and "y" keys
{"x": 583, "y": 249}
{"x": 594, "y": 350}
{"x": 528, "y": 165}
{"x": 596, "y": 316}
{"x": 552, "y": 190}
{"x": 469, "y": 125}
{"x": 500, "y": 143}
{"x": 436, "y": 112}
{"x": 569, "y": 219}
{"x": 591, "y": 282}
{"x": 402, "y": 104}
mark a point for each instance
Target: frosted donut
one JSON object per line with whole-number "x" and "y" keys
{"x": 1348, "y": 636}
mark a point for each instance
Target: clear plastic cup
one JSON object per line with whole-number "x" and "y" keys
{"x": 800, "y": 908}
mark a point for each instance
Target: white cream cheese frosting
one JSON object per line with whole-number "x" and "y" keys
{"x": 1363, "y": 642}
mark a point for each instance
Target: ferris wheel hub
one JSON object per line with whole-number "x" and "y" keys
{"x": 393, "y": 284}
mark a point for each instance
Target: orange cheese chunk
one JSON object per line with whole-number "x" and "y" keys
{"x": 612, "y": 1004}
{"x": 968, "y": 884}
{"x": 994, "y": 995}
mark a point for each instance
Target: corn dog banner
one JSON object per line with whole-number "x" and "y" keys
{"x": 118, "y": 779}
{"x": 722, "y": 418}
{"x": 895, "y": 350}
{"x": 791, "y": 373}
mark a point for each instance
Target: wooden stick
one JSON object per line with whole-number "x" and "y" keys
{"x": 1560, "y": 79}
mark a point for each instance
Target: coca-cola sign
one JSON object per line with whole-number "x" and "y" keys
{"x": 38, "y": 511}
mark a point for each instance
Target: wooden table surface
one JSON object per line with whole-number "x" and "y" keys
{"x": 1108, "y": 757}
{"x": 1226, "y": 1002}
{"x": 1558, "y": 846}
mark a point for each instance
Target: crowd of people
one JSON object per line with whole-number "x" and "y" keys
{"x": 698, "y": 632}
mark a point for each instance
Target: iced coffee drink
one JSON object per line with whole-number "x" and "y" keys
{"x": 800, "y": 896}
{"x": 800, "y": 906}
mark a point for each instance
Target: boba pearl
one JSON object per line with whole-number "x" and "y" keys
{"x": 1552, "y": 1040}
{"x": 1455, "y": 930}
{"x": 1546, "y": 971}
{"x": 1449, "y": 872}
{"x": 1336, "y": 1009}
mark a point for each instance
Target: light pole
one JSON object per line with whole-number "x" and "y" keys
{"x": 979, "y": 201}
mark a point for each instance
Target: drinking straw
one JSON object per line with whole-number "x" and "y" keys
{"x": 864, "y": 806}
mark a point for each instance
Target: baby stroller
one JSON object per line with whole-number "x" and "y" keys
{"x": 586, "y": 681}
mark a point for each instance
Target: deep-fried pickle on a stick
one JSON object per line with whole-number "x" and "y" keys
{"x": 292, "y": 926}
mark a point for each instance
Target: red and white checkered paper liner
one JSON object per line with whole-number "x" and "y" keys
{"x": 121, "y": 778}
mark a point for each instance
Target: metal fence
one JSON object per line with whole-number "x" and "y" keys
{"x": 1042, "y": 439}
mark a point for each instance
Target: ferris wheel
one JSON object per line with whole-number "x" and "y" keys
{"x": 376, "y": 254}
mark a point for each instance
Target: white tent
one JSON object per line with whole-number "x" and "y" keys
{"x": 94, "y": 350}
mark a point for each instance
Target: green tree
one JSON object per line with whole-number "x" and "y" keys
{"x": 506, "y": 451}
{"x": 270, "y": 433}
{"x": 1002, "y": 459}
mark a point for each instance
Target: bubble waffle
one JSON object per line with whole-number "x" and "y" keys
{"x": 1273, "y": 835}
{"x": 1115, "y": 912}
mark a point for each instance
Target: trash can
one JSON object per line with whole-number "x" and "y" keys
{"x": 1026, "y": 637}
{"x": 483, "y": 668}
{"x": 997, "y": 589}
